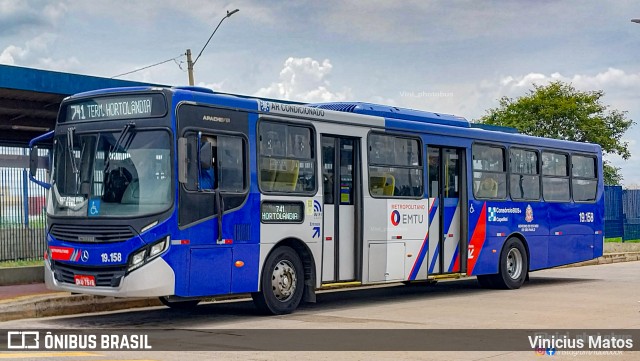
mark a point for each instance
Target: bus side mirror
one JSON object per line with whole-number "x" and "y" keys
{"x": 33, "y": 161}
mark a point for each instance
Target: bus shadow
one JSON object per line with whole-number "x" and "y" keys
{"x": 219, "y": 313}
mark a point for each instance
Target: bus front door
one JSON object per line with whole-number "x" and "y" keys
{"x": 445, "y": 192}
{"x": 340, "y": 162}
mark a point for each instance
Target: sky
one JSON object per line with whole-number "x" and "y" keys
{"x": 458, "y": 57}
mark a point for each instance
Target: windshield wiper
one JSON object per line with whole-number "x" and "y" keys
{"x": 74, "y": 164}
{"x": 127, "y": 128}
{"x": 70, "y": 146}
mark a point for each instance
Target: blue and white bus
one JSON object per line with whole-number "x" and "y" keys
{"x": 183, "y": 193}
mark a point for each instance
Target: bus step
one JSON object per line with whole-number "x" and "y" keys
{"x": 327, "y": 286}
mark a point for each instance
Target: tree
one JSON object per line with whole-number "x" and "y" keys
{"x": 559, "y": 111}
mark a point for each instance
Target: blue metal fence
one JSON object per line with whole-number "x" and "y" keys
{"x": 613, "y": 213}
{"x": 622, "y": 213}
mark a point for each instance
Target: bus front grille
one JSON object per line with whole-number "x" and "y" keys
{"x": 91, "y": 233}
{"x": 104, "y": 276}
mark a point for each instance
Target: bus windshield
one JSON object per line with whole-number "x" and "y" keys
{"x": 111, "y": 174}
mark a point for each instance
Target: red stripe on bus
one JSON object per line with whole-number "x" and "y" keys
{"x": 477, "y": 240}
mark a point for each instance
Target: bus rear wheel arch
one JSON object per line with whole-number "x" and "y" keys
{"x": 513, "y": 268}
{"x": 281, "y": 282}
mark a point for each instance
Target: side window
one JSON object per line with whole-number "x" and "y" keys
{"x": 216, "y": 162}
{"x": 555, "y": 177}
{"x": 584, "y": 180}
{"x": 287, "y": 160}
{"x": 525, "y": 174}
{"x": 489, "y": 172}
{"x": 395, "y": 166}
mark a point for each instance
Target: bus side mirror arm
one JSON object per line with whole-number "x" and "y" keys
{"x": 182, "y": 160}
{"x": 34, "y": 158}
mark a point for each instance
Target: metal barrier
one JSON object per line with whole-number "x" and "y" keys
{"x": 613, "y": 213}
{"x": 622, "y": 213}
{"x": 631, "y": 210}
{"x": 22, "y": 208}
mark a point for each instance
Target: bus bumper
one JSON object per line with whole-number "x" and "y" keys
{"x": 151, "y": 280}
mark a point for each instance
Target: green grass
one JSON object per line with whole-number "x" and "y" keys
{"x": 613, "y": 240}
{"x": 8, "y": 264}
{"x": 619, "y": 240}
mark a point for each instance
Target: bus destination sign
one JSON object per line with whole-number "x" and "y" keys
{"x": 122, "y": 107}
{"x": 282, "y": 212}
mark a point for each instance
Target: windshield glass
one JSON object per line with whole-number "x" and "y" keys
{"x": 125, "y": 173}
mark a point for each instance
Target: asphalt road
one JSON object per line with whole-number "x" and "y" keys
{"x": 592, "y": 297}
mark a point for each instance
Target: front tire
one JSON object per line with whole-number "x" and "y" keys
{"x": 281, "y": 283}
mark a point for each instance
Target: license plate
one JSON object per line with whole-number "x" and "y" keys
{"x": 82, "y": 280}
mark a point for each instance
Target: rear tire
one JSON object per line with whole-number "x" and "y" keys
{"x": 514, "y": 265}
{"x": 179, "y": 305}
{"x": 281, "y": 283}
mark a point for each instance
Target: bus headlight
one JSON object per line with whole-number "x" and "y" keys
{"x": 148, "y": 253}
{"x": 138, "y": 259}
{"x": 158, "y": 247}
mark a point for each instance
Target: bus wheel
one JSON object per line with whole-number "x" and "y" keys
{"x": 179, "y": 305}
{"x": 281, "y": 284}
{"x": 514, "y": 265}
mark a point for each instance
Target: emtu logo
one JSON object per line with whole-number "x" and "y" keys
{"x": 395, "y": 218}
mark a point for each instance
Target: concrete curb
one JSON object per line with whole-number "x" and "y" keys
{"x": 59, "y": 304}
{"x": 62, "y": 303}
{"x": 21, "y": 275}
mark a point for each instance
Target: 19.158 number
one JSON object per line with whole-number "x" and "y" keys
{"x": 111, "y": 257}
{"x": 586, "y": 217}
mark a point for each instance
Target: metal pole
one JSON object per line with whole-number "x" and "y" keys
{"x": 190, "y": 63}
{"x": 190, "y": 67}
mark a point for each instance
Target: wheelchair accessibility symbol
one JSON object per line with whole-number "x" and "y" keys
{"x": 94, "y": 207}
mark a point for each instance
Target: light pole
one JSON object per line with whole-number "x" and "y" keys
{"x": 190, "y": 63}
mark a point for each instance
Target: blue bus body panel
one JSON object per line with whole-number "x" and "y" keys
{"x": 211, "y": 267}
{"x": 553, "y": 234}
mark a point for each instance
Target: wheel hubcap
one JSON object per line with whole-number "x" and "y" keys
{"x": 283, "y": 280}
{"x": 514, "y": 263}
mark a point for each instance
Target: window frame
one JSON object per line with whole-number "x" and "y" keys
{"x": 420, "y": 166}
{"x": 538, "y": 174}
{"x": 595, "y": 173}
{"x": 505, "y": 171}
{"x": 246, "y": 169}
{"x": 314, "y": 156}
{"x": 568, "y": 176}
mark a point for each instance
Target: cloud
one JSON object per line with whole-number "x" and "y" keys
{"x": 10, "y": 53}
{"x": 35, "y": 53}
{"x": 305, "y": 80}
{"x": 14, "y": 54}
{"x": 613, "y": 79}
{"x": 29, "y": 16}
